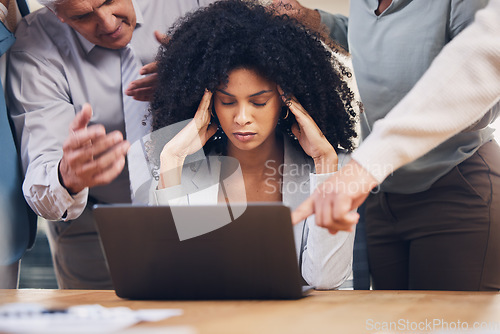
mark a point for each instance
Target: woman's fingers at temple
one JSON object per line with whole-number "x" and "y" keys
{"x": 295, "y": 130}
{"x": 202, "y": 116}
{"x": 310, "y": 136}
{"x": 193, "y": 136}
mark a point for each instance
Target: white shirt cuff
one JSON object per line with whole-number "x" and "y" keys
{"x": 73, "y": 205}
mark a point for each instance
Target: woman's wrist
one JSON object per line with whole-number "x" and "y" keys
{"x": 168, "y": 161}
{"x": 327, "y": 163}
{"x": 170, "y": 169}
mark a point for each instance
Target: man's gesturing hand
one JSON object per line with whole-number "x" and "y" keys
{"x": 90, "y": 156}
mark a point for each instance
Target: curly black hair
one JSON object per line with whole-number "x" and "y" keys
{"x": 206, "y": 45}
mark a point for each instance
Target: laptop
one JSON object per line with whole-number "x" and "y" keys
{"x": 250, "y": 255}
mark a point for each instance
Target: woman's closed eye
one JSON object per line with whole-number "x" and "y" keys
{"x": 227, "y": 103}
{"x": 259, "y": 103}
{"x": 255, "y": 103}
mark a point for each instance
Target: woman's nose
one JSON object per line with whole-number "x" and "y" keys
{"x": 243, "y": 115}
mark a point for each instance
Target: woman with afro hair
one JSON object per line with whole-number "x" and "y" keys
{"x": 274, "y": 98}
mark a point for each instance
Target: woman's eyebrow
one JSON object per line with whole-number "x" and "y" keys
{"x": 253, "y": 95}
{"x": 261, "y": 92}
{"x": 224, "y": 92}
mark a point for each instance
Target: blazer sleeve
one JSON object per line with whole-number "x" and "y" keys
{"x": 175, "y": 195}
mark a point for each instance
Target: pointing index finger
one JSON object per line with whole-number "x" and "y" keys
{"x": 303, "y": 211}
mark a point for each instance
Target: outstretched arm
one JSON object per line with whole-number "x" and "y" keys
{"x": 462, "y": 84}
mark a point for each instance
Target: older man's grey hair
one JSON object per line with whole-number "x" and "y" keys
{"x": 51, "y": 4}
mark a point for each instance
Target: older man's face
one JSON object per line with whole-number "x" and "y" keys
{"x": 107, "y": 23}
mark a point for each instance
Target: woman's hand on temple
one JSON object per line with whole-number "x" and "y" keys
{"x": 189, "y": 140}
{"x": 310, "y": 137}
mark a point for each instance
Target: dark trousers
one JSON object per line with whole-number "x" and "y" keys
{"x": 360, "y": 268}
{"x": 444, "y": 238}
{"x": 77, "y": 255}
{"x": 9, "y": 276}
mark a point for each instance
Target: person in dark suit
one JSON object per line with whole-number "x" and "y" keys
{"x": 17, "y": 223}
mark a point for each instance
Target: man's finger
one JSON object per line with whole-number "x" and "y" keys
{"x": 150, "y": 68}
{"x": 82, "y": 118}
{"x": 109, "y": 174}
{"x": 105, "y": 143}
{"x": 161, "y": 37}
{"x": 104, "y": 161}
{"x": 84, "y": 137}
{"x": 149, "y": 82}
{"x": 351, "y": 219}
{"x": 343, "y": 205}
{"x": 303, "y": 211}
{"x": 144, "y": 94}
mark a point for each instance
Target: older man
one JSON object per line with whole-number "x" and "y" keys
{"x": 68, "y": 54}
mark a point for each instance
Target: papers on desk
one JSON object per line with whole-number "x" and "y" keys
{"x": 34, "y": 318}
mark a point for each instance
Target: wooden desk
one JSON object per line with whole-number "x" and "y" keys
{"x": 322, "y": 312}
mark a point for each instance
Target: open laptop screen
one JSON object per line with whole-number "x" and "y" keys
{"x": 251, "y": 257}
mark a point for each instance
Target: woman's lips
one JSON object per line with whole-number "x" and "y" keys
{"x": 244, "y": 136}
